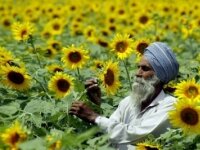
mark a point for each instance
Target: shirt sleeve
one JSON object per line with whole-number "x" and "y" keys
{"x": 128, "y": 133}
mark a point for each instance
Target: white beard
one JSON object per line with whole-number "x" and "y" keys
{"x": 143, "y": 90}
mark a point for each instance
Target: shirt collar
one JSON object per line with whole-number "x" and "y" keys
{"x": 159, "y": 98}
{"x": 156, "y": 101}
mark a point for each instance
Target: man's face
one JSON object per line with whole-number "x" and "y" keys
{"x": 145, "y": 70}
{"x": 144, "y": 83}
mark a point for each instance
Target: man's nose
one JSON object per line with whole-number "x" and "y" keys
{"x": 139, "y": 72}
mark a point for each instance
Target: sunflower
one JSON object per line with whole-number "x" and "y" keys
{"x": 61, "y": 84}
{"x": 22, "y": 31}
{"x": 49, "y": 52}
{"x": 122, "y": 45}
{"x": 186, "y": 115}
{"x": 55, "y": 68}
{"x": 74, "y": 57}
{"x": 188, "y": 89}
{"x": 6, "y": 21}
{"x": 54, "y": 44}
{"x": 110, "y": 77}
{"x": 139, "y": 46}
{"x": 98, "y": 64}
{"x": 89, "y": 33}
{"x": 46, "y": 33}
{"x": 56, "y": 26}
{"x": 15, "y": 77}
{"x": 143, "y": 20}
{"x": 14, "y": 135}
{"x": 148, "y": 146}
{"x": 53, "y": 144}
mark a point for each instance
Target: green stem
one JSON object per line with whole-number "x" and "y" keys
{"x": 128, "y": 76}
{"x": 35, "y": 51}
{"x": 42, "y": 87}
{"x": 79, "y": 75}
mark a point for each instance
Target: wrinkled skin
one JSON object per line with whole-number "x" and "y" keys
{"x": 80, "y": 109}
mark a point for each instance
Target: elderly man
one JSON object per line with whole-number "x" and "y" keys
{"x": 144, "y": 111}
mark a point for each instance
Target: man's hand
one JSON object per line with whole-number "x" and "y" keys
{"x": 83, "y": 111}
{"x": 93, "y": 91}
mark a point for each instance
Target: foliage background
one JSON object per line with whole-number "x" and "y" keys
{"x": 174, "y": 22}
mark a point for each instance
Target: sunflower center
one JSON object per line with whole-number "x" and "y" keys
{"x": 99, "y": 65}
{"x": 23, "y": 33}
{"x": 102, "y": 43}
{"x": 189, "y": 116}
{"x": 141, "y": 46}
{"x": 109, "y": 77}
{"x": 63, "y": 85}
{"x": 16, "y": 77}
{"x": 47, "y": 35}
{"x": 48, "y": 52}
{"x": 56, "y": 26}
{"x": 192, "y": 92}
{"x": 143, "y": 19}
{"x": 89, "y": 33}
{"x": 150, "y": 148}
{"x": 56, "y": 46}
{"x": 74, "y": 57}
{"x": 121, "y": 46}
{"x": 57, "y": 70}
{"x": 15, "y": 138}
{"x": 6, "y": 23}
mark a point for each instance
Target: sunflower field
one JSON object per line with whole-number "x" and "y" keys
{"x": 48, "y": 48}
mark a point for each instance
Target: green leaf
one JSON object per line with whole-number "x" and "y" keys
{"x": 9, "y": 109}
{"x": 35, "y": 144}
{"x": 38, "y": 106}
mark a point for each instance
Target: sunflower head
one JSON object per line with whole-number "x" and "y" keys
{"x": 110, "y": 77}
{"x": 15, "y": 77}
{"x": 54, "y": 142}
{"x": 122, "y": 46}
{"x": 140, "y": 45}
{"x": 14, "y": 135}
{"x": 61, "y": 84}
{"x": 74, "y": 57}
{"x": 186, "y": 115}
{"x": 55, "y": 68}
{"x": 22, "y": 31}
{"x": 97, "y": 65}
{"x": 49, "y": 52}
{"x": 56, "y": 26}
{"x": 54, "y": 44}
{"x": 188, "y": 89}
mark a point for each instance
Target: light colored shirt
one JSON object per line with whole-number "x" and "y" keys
{"x": 126, "y": 127}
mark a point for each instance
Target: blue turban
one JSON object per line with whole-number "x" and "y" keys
{"x": 162, "y": 60}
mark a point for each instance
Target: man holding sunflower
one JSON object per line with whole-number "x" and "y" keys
{"x": 145, "y": 110}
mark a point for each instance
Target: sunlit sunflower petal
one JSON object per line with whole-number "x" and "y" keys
{"x": 186, "y": 115}
{"x": 61, "y": 84}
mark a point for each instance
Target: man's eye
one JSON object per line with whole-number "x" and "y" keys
{"x": 145, "y": 68}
